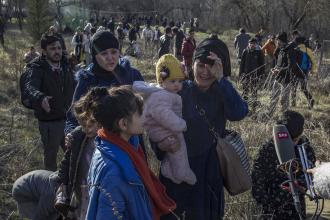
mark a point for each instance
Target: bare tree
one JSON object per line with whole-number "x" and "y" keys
{"x": 38, "y": 17}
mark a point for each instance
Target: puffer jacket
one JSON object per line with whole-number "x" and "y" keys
{"x": 163, "y": 115}
{"x": 44, "y": 81}
{"x": 116, "y": 189}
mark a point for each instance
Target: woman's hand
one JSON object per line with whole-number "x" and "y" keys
{"x": 217, "y": 68}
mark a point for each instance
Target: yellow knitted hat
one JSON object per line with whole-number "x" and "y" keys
{"x": 168, "y": 67}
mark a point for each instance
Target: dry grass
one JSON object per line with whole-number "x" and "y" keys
{"x": 20, "y": 150}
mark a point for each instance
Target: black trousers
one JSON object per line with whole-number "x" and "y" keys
{"x": 52, "y": 137}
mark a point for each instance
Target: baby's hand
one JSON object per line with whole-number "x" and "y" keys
{"x": 170, "y": 144}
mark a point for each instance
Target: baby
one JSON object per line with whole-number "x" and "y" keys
{"x": 163, "y": 118}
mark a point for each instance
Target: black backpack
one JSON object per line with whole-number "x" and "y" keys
{"x": 23, "y": 82}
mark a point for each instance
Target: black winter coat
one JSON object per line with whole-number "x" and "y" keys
{"x": 43, "y": 81}
{"x": 250, "y": 61}
{"x": 285, "y": 62}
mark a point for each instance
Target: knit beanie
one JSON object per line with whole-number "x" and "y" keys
{"x": 168, "y": 67}
{"x": 216, "y": 46}
{"x": 103, "y": 40}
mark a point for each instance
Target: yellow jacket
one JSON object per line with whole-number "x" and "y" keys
{"x": 309, "y": 52}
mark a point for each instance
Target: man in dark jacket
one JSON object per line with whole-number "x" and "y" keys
{"x": 133, "y": 33}
{"x": 178, "y": 40}
{"x": 50, "y": 88}
{"x": 250, "y": 71}
{"x": 283, "y": 74}
{"x": 241, "y": 42}
{"x": 165, "y": 42}
{"x": 267, "y": 178}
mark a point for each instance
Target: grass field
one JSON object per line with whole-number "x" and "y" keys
{"x": 20, "y": 149}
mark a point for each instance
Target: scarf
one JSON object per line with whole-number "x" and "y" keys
{"x": 161, "y": 202}
{"x": 99, "y": 72}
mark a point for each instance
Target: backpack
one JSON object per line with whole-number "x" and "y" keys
{"x": 303, "y": 61}
{"x": 23, "y": 81}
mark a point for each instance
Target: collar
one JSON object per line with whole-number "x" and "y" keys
{"x": 113, "y": 153}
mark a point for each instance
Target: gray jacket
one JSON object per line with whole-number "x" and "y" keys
{"x": 241, "y": 42}
{"x": 34, "y": 194}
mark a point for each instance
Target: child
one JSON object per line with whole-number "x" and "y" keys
{"x": 75, "y": 165}
{"x": 121, "y": 184}
{"x": 163, "y": 119}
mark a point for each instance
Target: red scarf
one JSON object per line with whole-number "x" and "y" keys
{"x": 161, "y": 202}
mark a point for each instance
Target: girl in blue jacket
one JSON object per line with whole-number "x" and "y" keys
{"x": 121, "y": 184}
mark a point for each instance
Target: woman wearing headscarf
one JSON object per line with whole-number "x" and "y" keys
{"x": 108, "y": 70}
{"x": 213, "y": 93}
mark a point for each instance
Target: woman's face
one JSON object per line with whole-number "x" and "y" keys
{"x": 108, "y": 59}
{"x": 203, "y": 76}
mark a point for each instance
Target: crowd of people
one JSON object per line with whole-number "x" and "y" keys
{"x": 281, "y": 64}
{"x": 98, "y": 114}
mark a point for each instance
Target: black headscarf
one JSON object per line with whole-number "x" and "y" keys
{"x": 216, "y": 46}
{"x": 103, "y": 40}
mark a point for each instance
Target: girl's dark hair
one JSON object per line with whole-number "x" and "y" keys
{"x": 108, "y": 106}
{"x": 82, "y": 109}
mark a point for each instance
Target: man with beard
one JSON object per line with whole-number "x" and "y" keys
{"x": 49, "y": 88}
